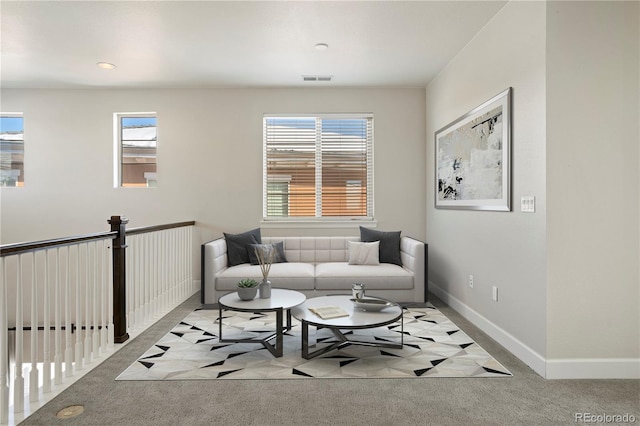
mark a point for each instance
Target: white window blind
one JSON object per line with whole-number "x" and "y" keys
{"x": 318, "y": 166}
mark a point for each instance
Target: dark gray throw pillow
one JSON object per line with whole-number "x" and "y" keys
{"x": 389, "y": 244}
{"x": 279, "y": 256}
{"x": 237, "y": 245}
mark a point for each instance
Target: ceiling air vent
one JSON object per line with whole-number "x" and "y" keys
{"x": 317, "y": 77}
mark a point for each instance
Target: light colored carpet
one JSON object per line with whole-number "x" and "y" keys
{"x": 526, "y": 399}
{"x": 433, "y": 346}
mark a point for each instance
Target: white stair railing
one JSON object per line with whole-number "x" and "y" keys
{"x": 57, "y": 306}
{"x": 159, "y": 273}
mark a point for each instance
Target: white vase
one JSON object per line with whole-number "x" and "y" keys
{"x": 264, "y": 289}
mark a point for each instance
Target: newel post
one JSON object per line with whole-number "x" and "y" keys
{"x": 118, "y": 224}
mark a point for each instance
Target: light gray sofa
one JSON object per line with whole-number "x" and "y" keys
{"x": 318, "y": 266}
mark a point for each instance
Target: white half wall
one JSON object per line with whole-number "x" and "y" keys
{"x": 502, "y": 249}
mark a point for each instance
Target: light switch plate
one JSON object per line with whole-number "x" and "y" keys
{"x": 528, "y": 204}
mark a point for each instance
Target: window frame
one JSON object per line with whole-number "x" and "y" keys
{"x": 319, "y": 220}
{"x": 118, "y": 149}
{"x": 19, "y": 184}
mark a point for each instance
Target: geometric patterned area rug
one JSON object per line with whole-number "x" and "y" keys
{"x": 433, "y": 347}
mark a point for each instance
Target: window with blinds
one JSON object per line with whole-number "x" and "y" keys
{"x": 318, "y": 166}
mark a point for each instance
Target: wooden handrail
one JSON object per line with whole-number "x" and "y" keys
{"x": 19, "y": 248}
{"x": 155, "y": 228}
{"x": 118, "y": 235}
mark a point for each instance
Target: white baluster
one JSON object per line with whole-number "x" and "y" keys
{"x": 68, "y": 353}
{"x": 141, "y": 269}
{"x": 46, "y": 337}
{"x": 157, "y": 260}
{"x": 165, "y": 270}
{"x": 18, "y": 383}
{"x": 190, "y": 262}
{"x": 153, "y": 278}
{"x": 129, "y": 287}
{"x": 139, "y": 280}
{"x": 4, "y": 348}
{"x": 57, "y": 356}
{"x": 159, "y": 274}
{"x": 79, "y": 354}
{"x": 131, "y": 281}
{"x": 88, "y": 358}
{"x": 34, "y": 373}
{"x": 145, "y": 275}
{"x": 179, "y": 266}
{"x": 103, "y": 298}
{"x": 176, "y": 269}
{"x": 170, "y": 259}
{"x": 185, "y": 247}
{"x": 136, "y": 281}
{"x": 110, "y": 326}
{"x": 95, "y": 336}
{"x": 183, "y": 265}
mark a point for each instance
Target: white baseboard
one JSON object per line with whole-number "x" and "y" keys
{"x": 593, "y": 368}
{"x": 195, "y": 286}
{"x": 512, "y": 344}
{"x": 579, "y": 368}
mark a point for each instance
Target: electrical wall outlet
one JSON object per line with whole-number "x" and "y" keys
{"x": 495, "y": 294}
{"x": 471, "y": 281}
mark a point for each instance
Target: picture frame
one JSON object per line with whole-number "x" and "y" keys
{"x": 473, "y": 158}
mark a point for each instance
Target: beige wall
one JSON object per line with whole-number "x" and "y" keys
{"x": 568, "y": 274}
{"x": 503, "y": 249}
{"x": 209, "y": 158}
{"x": 592, "y": 181}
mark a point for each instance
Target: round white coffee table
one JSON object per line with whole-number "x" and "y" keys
{"x": 356, "y": 319}
{"x": 281, "y": 300}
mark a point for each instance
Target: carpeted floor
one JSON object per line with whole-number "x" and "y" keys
{"x": 525, "y": 399}
{"x": 433, "y": 346}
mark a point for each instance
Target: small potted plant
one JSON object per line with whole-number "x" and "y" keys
{"x": 247, "y": 289}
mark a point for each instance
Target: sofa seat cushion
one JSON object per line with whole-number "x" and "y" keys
{"x": 341, "y": 275}
{"x": 292, "y": 275}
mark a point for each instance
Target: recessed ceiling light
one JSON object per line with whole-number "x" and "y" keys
{"x": 106, "y": 65}
{"x": 321, "y": 46}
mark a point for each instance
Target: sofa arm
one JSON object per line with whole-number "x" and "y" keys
{"x": 414, "y": 256}
{"x": 213, "y": 261}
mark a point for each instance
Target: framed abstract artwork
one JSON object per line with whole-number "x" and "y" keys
{"x": 473, "y": 158}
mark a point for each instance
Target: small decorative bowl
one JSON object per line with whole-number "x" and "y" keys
{"x": 371, "y": 305}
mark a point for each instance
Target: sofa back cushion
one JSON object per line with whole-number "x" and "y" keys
{"x": 314, "y": 249}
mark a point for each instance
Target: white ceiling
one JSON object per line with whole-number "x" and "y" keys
{"x": 56, "y": 44}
